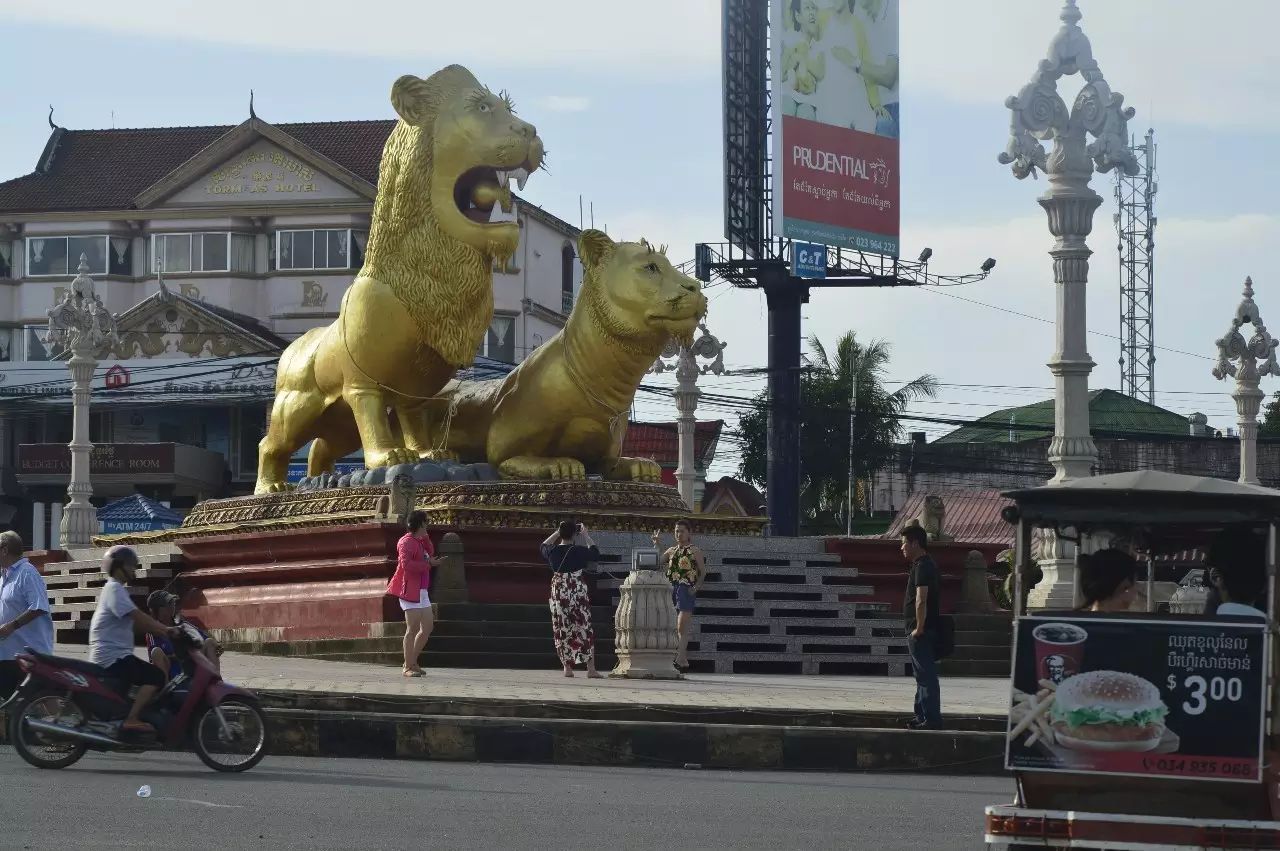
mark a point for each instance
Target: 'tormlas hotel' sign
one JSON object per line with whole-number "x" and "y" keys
{"x": 108, "y": 459}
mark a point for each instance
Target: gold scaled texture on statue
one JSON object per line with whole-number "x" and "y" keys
{"x": 421, "y": 305}
{"x": 562, "y": 413}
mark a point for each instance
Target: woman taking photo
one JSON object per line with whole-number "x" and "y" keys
{"x": 415, "y": 556}
{"x": 568, "y": 551}
{"x": 1108, "y": 581}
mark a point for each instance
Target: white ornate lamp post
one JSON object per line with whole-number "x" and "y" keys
{"x": 708, "y": 347}
{"x": 1039, "y": 113}
{"x": 1260, "y": 347}
{"x": 81, "y": 325}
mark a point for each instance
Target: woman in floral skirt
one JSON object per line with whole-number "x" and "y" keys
{"x": 568, "y": 551}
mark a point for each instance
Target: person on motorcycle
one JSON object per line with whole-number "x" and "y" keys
{"x": 111, "y": 635}
{"x": 164, "y": 607}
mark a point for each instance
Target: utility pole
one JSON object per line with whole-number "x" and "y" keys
{"x": 853, "y": 410}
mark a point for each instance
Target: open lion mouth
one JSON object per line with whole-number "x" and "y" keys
{"x": 483, "y": 194}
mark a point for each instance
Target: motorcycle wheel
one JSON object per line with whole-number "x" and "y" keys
{"x": 231, "y": 736}
{"x": 39, "y": 749}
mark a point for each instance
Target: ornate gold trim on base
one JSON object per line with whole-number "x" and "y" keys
{"x": 605, "y": 506}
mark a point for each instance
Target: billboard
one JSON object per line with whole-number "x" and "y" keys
{"x": 836, "y": 122}
{"x": 1142, "y": 697}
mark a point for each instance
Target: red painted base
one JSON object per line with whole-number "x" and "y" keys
{"x": 880, "y": 564}
{"x": 328, "y": 582}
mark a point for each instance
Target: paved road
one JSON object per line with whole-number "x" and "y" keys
{"x": 347, "y": 804}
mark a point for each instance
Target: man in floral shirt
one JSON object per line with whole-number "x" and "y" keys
{"x": 686, "y": 568}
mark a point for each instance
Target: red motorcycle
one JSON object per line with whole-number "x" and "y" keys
{"x": 65, "y": 707}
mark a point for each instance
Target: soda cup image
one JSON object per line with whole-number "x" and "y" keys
{"x": 1059, "y": 650}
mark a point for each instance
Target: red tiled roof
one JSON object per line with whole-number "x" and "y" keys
{"x": 973, "y": 516}
{"x": 107, "y": 169}
{"x": 746, "y": 494}
{"x": 661, "y": 442}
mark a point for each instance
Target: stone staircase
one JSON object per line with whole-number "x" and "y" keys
{"x": 781, "y": 606}
{"x": 74, "y": 586}
{"x": 466, "y": 635}
{"x": 983, "y": 645}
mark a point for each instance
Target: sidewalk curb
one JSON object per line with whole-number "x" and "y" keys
{"x": 376, "y": 735}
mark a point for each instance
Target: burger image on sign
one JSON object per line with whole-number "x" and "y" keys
{"x": 1108, "y": 711}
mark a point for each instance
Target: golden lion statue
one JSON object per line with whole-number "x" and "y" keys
{"x": 421, "y": 304}
{"x": 562, "y": 413}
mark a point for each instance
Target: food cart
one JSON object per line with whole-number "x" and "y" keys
{"x": 1138, "y": 730}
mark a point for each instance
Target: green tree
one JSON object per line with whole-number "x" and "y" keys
{"x": 1271, "y": 418}
{"x": 824, "y": 422}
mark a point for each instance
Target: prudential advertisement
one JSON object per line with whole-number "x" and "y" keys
{"x": 836, "y": 122}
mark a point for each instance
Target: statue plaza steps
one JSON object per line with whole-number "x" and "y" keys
{"x": 465, "y": 635}
{"x": 74, "y": 586}
{"x": 983, "y": 645}
{"x": 781, "y": 606}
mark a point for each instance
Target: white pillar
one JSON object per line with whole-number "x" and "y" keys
{"x": 80, "y": 520}
{"x": 687, "y": 394}
{"x": 55, "y": 525}
{"x": 37, "y": 526}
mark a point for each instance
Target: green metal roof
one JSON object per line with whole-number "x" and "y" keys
{"x": 1110, "y": 413}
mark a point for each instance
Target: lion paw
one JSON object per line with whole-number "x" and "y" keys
{"x": 438, "y": 455}
{"x": 555, "y": 469}
{"x": 272, "y": 487}
{"x": 636, "y": 470}
{"x": 389, "y": 457}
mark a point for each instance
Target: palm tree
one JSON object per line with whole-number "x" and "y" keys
{"x": 825, "y": 401}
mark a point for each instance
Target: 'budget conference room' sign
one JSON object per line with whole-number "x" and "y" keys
{"x": 121, "y": 459}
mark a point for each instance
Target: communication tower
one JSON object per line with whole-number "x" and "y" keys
{"x": 1135, "y": 220}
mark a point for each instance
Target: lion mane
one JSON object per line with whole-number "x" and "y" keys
{"x": 446, "y": 286}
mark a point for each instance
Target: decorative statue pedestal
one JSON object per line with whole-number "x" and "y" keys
{"x": 645, "y": 627}
{"x": 975, "y": 594}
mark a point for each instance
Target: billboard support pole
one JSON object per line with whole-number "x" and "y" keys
{"x": 784, "y": 294}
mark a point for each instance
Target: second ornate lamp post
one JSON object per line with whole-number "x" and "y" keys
{"x": 81, "y": 325}
{"x": 708, "y": 347}
{"x": 1248, "y": 398}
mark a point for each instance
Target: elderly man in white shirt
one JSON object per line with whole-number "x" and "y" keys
{"x": 24, "y": 611}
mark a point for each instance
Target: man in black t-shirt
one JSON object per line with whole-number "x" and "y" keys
{"x": 921, "y": 613}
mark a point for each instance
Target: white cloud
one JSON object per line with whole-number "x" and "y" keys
{"x": 564, "y": 103}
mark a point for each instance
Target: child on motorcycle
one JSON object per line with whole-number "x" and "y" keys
{"x": 164, "y": 608}
{"x": 111, "y": 635}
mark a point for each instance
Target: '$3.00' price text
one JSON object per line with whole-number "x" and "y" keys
{"x": 1201, "y": 691}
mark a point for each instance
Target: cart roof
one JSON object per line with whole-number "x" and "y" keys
{"x": 1148, "y": 496}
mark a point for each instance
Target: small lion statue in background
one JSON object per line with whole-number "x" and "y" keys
{"x": 562, "y": 413}
{"x": 933, "y": 517}
{"x": 420, "y": 307}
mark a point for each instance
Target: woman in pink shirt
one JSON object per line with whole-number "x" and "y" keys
{"x": 415, "y": 556}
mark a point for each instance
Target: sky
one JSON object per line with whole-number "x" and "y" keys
{"x": 627, "y": 97}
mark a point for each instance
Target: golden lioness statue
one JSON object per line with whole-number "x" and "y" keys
{"x": 562, "y": 413}
{"x": 423, "y": 300}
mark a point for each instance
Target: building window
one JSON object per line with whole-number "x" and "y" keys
{"x": 60, "y": 255}
{"x": 202, "y": 252}
{"x": 319, "y": 249}
{"x": 500, "y": 340}
{"x": 566, "y": 278}
{"x": 33, "y": 345}
{"x": 6, "y": 258}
